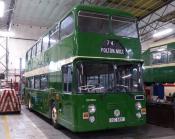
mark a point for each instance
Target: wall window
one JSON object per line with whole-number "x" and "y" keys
{"x": 45, "y": 43}
{"x": 37, "y": 82}
{"x": 54, "y": 35}
{"x": 67, "y": 26}
{"x": 67, "y": 78}
{"x": 39, "y": 47}
{"x": 44, "y": 81}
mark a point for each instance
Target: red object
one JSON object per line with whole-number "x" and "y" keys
{"x": 169, "y": 85}
{"x": 9, "y": 101}
{"x": 16, "y": 86}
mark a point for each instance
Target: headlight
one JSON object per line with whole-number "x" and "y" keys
{"x": 91, "y": 119}
{"x": 91, "y": 108}
{"x": 138, "y": 115}
{"x": 117, "y": 112}
{"x": 138, "y": 106}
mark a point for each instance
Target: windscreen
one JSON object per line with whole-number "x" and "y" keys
{"x": 100, "y": 23}
{"x": 93, "y": 22}
{"x": 106, "y": 77}
{"x": 124, "y": 27}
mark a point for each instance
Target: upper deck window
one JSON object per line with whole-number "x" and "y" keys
{"x": 34, "y": 51}
{"x": 124, "y": 27}
{"x": 159, "y": 57}
{"x": 54, "y": 35}
{"x": 45, "y": 43}
{"x": 39, "y": 47}
{"x": 67, "y": 26}
{"x": 93, "y": 22}
{"x": 171, "y": 56}
{"x": 29, "y": 54}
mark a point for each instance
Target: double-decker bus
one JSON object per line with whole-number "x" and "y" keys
{"x": 85, "y": 73}
{"x": 159, "y": 62}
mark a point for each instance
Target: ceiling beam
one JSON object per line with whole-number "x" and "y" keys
{"x": 10, "y": 15}
{"x": 154, "y": 21}
{"x": 166, "y": 2}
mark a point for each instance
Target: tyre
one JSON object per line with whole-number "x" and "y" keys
{"x": 29, "y": 105}
{"x": 54, "y": 116}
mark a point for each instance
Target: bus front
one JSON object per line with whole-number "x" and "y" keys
{"x": 107, "y": 73}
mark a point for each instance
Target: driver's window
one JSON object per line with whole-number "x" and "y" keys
{"x": 67, "y": 78}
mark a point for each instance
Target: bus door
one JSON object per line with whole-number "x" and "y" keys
{"x": 67, "y": 93}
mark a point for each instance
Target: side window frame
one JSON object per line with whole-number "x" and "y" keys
{"x": 161, "y": 60}
{"x": 31, "y": 80}
{"x": 55, "y": 30}
{"x": 39, "y": 78}
{"x": 46, "y": 76}
{"x": 67, "y": 86}
{"x": 27, "y": 56}
{"x": 73, "y": 25}
{"x": 48, "y": 43}
{"x": 39, "y": 44}
{"x": 34, "y": 50}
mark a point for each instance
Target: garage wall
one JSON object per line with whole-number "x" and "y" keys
{"x": 25, "y": 37}
{"x": 17, "y": 50}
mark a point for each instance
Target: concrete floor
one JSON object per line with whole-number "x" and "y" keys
{"x": 28, "y": 125}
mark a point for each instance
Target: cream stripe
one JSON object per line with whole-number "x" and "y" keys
{"x": 38, "y": 71}
{"x": 56, "y": 66}
{"x": 159, "y": 66}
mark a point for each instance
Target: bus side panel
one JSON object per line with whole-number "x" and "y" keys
{"x": 66, "y": 111}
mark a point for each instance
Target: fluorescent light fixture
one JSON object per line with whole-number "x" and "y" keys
{"x": 7, "y": 34}
{"x": 162, "y": 33}
{"x": 2, "y": 6}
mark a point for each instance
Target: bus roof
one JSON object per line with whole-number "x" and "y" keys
{"x": 104, "y": 10}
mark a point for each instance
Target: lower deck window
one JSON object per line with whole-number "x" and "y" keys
{"x": 31, "y": 82}
{"x": 67, "y": 78}
{"x": 37, "y": 82}
{"x": 44, "y": 82}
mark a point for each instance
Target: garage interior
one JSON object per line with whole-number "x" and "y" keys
{"x": 23, "y": 22}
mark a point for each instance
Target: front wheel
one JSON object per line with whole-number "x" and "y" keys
{"x": 54, "y": 116}
{"x": 29, "y": 105}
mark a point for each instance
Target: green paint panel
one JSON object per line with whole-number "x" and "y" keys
{"x": 105, "y": 106}
{"x": 161, "y": 72}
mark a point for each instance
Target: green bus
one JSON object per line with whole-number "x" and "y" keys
{"x": 159, "y": 62}
{"x": 85, "y": 73}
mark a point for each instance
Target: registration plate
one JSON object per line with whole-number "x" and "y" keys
{"x": 117, "y": 119}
